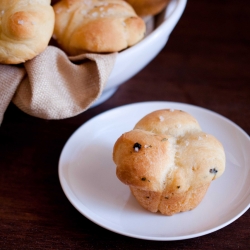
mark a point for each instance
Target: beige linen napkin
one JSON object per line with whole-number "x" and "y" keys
{"x": 53, "y": 85}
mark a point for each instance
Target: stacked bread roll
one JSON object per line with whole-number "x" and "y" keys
{"x": 78, "y": 26}
{"x": 168, "y": 161}
{"x": 96, "y": 26}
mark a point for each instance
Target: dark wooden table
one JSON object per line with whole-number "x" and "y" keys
{"x": 206, "y": 63}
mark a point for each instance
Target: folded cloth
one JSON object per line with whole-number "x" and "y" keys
{"x": 53, "y": 85}
{"x": 10, "y": 77}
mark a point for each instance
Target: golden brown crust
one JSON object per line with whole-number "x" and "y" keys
{"x": 96, "y": 26}
{"x": 169, "y": 203}
{"x": 150, "y": 200}
{"x": 169, "y": 121}
{"x": 175, "y": 202}
{"x": 148, "y": 7}
{"x": 174, "y": 165}
{"x": 25, "y": 29}
{"x": 143, "y": 168}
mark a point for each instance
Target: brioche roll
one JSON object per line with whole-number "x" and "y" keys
{"x": 25, "y": 29}
{"x": 168, "y": 161}
{"x": 96, "y": 26}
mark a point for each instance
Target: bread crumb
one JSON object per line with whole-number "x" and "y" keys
{"x": 95, "y": 14}
{"x": 161, "y": 118}
{"x": 21, "y": 22}
{"x": 111, "y": 11}
{"x": 84, "y": 12}
{"x": 87, "y": 2}
{"x": 58, "y": 10}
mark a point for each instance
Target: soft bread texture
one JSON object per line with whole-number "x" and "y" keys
{"x": 26, "y": 27}
{"x": 148, "y": 7}
{"x": 168, "y": 161}
{"x": 96, "y": 26}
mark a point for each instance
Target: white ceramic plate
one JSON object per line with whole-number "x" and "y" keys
{"x": 87, "y": 175}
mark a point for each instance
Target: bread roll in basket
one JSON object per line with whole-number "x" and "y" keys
{"x": 168, "y": 161}
{"x": 26, "y": 28}
{"x": 96, "y": 26}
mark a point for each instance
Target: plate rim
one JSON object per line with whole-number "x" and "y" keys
{"x": 154, "y": 238}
